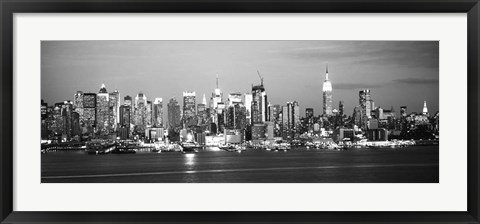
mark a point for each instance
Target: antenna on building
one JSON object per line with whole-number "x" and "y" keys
{"x": 217, "y": 80}
{"x": 326, "y": 75}
{"x": 261, "y": 78}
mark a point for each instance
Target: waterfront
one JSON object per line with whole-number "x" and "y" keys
{"x": 416, "y": 164}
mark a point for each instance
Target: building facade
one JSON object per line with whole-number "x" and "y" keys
{"x": 327, "y": 96}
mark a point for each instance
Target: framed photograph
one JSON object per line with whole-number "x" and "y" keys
{"x": 246, "y": 112}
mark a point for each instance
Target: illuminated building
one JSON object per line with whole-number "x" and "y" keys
{"x": 295, "y": 117}
{"x": 173, "y": 114}
{"x": 154, "y": 134}
{"x": 258, "y": 133}
{"x": 327, "y": 96}
{"x": 234, "y": 98}
{"x": 103, "y": 127}
{"x": 189, "y": 112}
{"x": 234, "y": 136}
{"x": 290, "y": 120}
{"x": 286, "y": 121}
{"x": 158, "y": 112}
{"x": 78, "y": 100}
{"x": 76, "y": 129}
{"x": 341, "y": 108}
{"x": 63, "y": 119}
{"x": 125, "y": 121}
{"x": 259, "y": 104}
{"x": 248, "y": 98}
{"x": 425, "y": 109}
{"x": 403, "y": 111}
{"x": 44, "y": 123}
{"x": 365, "y": 102}
{"x": 113, "y": 109}
{"x": 220, "y": 114}
{"x": 88, "y": 119}
{"x": 202, "y": 112}
{"x": 235, "y": 117}
{"x": 78, "y": 106}
{"x": 57, "y": 124}
{"x": 217, "y": 96}
{"x": 140, "y": 112}
{"x": 269, "y": 130}
{"x": 273, "y": 112}
{"x": 148, "y": 114}
{"x": 127, "y": 101}
{"x": 380, "y": 134}
{"x": 309, "y": 113}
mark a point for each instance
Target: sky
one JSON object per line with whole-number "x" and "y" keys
{"x": 397, "y": 73}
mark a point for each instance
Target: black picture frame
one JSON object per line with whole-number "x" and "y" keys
{"x": 9, "y": 7}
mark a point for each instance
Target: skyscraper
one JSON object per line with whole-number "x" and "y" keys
{"x": 78, "y": 100}
{"x": 327, "y": 96}
{"x": 365, "y": 102}
{"x": 67, "y": 116}
{"x": 78, "y": 106}
{"x": 259, "y": 104}
{"x": 173, "y": 114}
{"x": 44, "y": 116}
{"x": 140, "y": 112}
{"x": 217, "y": 96}
{"x": 202, "y": 112}
{"x": 125, "y": 121}
{"x": 103, "y": 127}
{"x": 248, "y": 106}
{"x": 158, "y": 113}
{"x": 309, "y": 113}
{"x": 341, "y": 108}
{"x": 189, "y": 111}
{"x": 148, "y": 114}
{"x": 235, "y": 116}
{"x": 403, "y": 111}
{"x": 286, "y": 121}
{"x": 114, "y": 106}
{"x": 127, "y": 101}
{"x": 425, "y": 109}
{"x": 296, "y": 117}
{"x": 234, "y": 98}
{"x": 125, "y": 115}
{"x": 273, "y": 111}
{"x": 88, "y": 119}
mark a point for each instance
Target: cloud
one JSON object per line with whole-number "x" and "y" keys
{"x": 414, "y": 81}
{"x": 350, "y": 86}
{"x": 398, "y": 53}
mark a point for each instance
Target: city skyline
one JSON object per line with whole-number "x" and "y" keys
{"x": 221, "y": 111}
{"x": 69, "y": 57}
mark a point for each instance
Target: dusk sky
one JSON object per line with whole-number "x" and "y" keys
{"x": 397, "y": 72}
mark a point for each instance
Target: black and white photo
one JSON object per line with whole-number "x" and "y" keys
{"x": 239, "y": 111}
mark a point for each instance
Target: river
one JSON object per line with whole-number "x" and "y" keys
{"x": 415, "y": 164}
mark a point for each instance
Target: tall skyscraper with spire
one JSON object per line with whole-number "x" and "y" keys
{"x": 425, "y": 109}
{"x": 327, "y": 95}
{"x": 216, "y": 96}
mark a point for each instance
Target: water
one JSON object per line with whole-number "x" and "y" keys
{"x": 418, "y": 164}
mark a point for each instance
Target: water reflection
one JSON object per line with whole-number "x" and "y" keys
{"x": 189, "y": 160}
